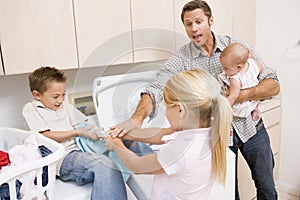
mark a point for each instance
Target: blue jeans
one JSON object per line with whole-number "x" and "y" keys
{"x": 84, "y": 167}
{"x": 259, "y": 157}
{"x": 139, "y": 149}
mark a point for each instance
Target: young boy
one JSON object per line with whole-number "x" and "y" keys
{"x": 239, "y": 72}
{"x": 53, "y": 117}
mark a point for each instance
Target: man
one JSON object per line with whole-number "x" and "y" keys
{"x": 203, "y": 51}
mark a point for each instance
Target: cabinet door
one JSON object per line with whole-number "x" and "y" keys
{"x": 246, "y": 185}
{"x": 180, "y": 34}
{"x": 152, "y": 29}
{"x": 244, "y": 20}
{"x": 222, "y": 13}
{"x": 1, "y": 66}
{"x": 36, "y": 33}
{"x": 103, "y": 32}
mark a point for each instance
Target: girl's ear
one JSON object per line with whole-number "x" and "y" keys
{"x": 181, "y": 109}
{"x": 36, "y": 95}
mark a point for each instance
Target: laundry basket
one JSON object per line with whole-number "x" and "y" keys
{"x": 10, "y": 137}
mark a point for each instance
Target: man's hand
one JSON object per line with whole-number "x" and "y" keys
{"x": 121, "y": 129}
{"x": 143, "y": 109}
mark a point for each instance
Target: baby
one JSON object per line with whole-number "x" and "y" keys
{"x": 240, "y": 71}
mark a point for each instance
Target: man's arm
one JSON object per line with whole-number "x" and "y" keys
{"x": 264, "y": 90}
{"x": 268, "y": 81}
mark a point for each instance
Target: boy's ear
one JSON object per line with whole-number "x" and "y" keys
{"x": 36, "y": 94}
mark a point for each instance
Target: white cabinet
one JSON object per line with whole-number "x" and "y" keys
{"x": 152, "y": 29}
{"x": 181, "y": 37}
{"x": 244, "y": 20}
{"x": 36, "y": 33}
{"x": 1, "y": 66}
{"x": 129, "y": 31}
{"x": 271, "y": 111}
{"x": 103, "y": 32}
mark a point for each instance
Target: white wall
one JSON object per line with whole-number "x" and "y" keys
{"x": 278, "y": 30}
{"x": 15, "y": 91}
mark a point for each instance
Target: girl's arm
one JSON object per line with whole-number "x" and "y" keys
{"x": 148, "y": 135}
{"x": 147, "y": 164}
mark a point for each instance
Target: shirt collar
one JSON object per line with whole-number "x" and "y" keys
{"x": 219, "y": 47}
{"x": 38, "y": 104}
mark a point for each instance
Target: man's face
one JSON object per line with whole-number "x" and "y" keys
{"x": 197, "y": 26}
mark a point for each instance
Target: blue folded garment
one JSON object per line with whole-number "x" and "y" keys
{"x": 98, "y": 146}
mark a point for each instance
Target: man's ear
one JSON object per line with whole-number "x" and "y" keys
{"x": 211, "y": 21}
{"x": 36, "y": 94}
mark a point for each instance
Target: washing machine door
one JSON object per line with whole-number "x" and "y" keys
{"x": 116, "y": 98}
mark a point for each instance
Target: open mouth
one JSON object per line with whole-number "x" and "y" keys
{"x": 197, "y": 37}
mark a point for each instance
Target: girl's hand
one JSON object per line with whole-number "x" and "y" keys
{"x": 112, "y": 143}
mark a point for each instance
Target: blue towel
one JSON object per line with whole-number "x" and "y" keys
{"x": 98, "y": 146}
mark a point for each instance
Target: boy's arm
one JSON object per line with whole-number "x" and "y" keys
{"x": 61, "y": 136}
{"x": 234, "y": 90}
{"x": 36, "y": 122}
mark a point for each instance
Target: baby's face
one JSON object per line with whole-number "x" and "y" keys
{"x": 54, "y": 96}
{"x": 228, "y": 67}
{"x": 230, "y": 71}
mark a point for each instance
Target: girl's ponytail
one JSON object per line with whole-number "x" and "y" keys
{"x": 221, "y": 117}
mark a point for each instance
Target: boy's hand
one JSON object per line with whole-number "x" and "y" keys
{"x": 89, "y": 133}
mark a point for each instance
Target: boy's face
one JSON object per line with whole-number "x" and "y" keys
{"x": 53, "y": 97}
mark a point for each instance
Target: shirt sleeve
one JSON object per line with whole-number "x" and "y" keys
{"x": 33, "y": 121}
{"x": 155, "y": 89}
{"x": 75, "y": 115}
{"x": 171, "y": 158}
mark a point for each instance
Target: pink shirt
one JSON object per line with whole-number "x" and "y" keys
{"x": 187, "y": 162}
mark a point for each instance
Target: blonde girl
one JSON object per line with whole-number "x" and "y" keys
{"x": 195, "y": 153}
